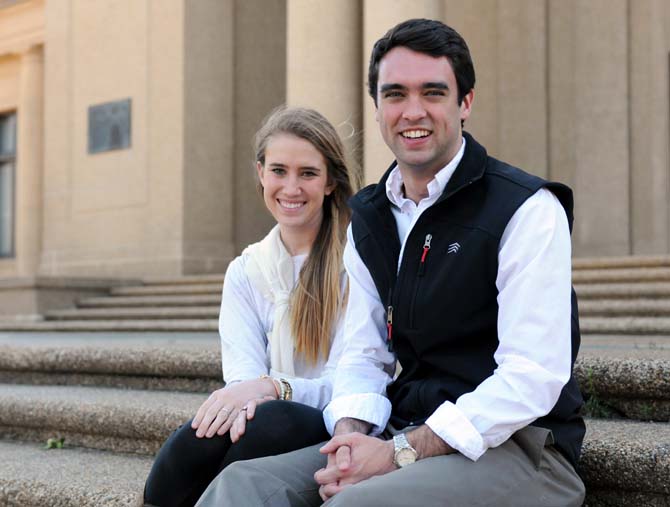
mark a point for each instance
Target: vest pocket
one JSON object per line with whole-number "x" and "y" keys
{"x": 419, "y": 276}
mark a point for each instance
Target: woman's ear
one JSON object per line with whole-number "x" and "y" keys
{"x": 259, "y": 169}
{"x": 330, "y": 187}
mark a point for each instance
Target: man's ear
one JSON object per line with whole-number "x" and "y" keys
{"x": 466, "y": 104}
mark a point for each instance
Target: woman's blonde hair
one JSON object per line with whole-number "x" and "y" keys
{"x": 317, "y": 300}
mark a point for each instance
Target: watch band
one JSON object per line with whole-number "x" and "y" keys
{"x": 404, "y": 453}
{"x": 287, "y": 390}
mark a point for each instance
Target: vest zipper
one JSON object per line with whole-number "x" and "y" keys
{"x": 389, "y": 321}
{"x": 426, "y": 248}
{"x": 419, "y": 275}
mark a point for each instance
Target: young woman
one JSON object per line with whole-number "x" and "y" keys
{"x": 281, "y": 316}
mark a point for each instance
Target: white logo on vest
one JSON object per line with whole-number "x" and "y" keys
{"x": 453, "y": 248}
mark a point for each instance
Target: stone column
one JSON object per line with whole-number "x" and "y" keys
{"x": 522, "y": 84}
{"x": 589, "y": 119}
{"x": 379, "y": 16}
{"x": 29, "y": 158}
{"x": 209, "y": 110}
{"x": 260, "y": 86}
{"x": 509, "y": 114}
{"x": 324, "y": 62}
{"x": 649, "y": 105}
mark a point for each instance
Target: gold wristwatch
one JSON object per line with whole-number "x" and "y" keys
{"x": 404, "y": 453}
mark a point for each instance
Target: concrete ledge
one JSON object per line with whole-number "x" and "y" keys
{"x": 634, "y": 388}
{"x": 112, "y": 419}
{"x": 623, "y": 290}
{"x": 625, "y": 325}
{"x": 624, "y": 308}
{"x": 630, "y": 378}
{"x": 138, "y": 301}
{"x": 138, "y": 360}
{"x": 113, "y": 325}
{"x": 643, "y": 274}
{"x": 145, "y": 383}
{"x": 167, "y": 290}
{"x": 32, "y": 476}
{"x": 608, "y": 498}
{"x": 144, "y": 313}
{"x": 621, "y": 262}
{"x": 44, "y": 282}
{"x": 188, "y": 279}
{"x": 626, "y": 458}
{"x": 36, "y": 295}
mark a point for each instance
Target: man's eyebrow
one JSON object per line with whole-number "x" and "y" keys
{"x": 441, "y": 85}
{"x": 391, "y": 86}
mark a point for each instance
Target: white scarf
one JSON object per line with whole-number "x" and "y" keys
{"x": 270, "y": 271}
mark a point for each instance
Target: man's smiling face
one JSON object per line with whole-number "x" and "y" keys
{"x": 418, "y": 111}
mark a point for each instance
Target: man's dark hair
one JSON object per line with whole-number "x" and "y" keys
{"x": 427, "y": 36}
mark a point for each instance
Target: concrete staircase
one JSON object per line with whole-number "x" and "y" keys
{"x": 189, "y": 303}
{"x": 113, "y": 398}
{"x": 115, "y": 395}
{"x": 628, "y": 295}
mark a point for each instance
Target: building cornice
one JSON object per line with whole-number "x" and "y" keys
{"x": 21, "y": 26}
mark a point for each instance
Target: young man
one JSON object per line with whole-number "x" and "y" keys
{"x": 459, "y": 268}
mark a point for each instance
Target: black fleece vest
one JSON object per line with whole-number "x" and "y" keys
{"x": 442, "y": 302}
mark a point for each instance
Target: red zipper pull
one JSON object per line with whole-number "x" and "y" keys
{"x": 426, "y": 247}
{"x": 389, "y": 327}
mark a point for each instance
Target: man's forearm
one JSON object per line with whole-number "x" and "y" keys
{"x": 351, "y": 425}
{"x": 427, "y": 443}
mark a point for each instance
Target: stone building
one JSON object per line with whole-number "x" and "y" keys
{"x": 126, "y": 125}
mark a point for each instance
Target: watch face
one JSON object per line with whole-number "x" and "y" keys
{"x": 405, "y": 457}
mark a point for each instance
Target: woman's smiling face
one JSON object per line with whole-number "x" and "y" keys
{"x": 295, "y": 183}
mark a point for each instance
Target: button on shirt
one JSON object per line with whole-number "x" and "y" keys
{"x": 534, "y": 353}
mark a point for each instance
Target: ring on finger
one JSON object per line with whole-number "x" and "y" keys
{"x": 226, "y": 410}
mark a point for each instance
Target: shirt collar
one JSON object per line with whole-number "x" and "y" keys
{"x": 435, "y": 186}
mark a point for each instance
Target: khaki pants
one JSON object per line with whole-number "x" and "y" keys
{"x": 524, "y": 471}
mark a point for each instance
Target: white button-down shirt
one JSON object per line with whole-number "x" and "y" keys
{"x": 534, "y": 351}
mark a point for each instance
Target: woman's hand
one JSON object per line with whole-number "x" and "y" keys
{"x": 246, "y": 414}
{"x": 217, "y": 414}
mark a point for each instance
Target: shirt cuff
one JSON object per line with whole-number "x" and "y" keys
{"x": 312, "y": 392}
{"x": 451, "y": 425}
{"x": 372, "y": 408}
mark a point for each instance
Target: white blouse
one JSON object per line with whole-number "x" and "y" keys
{"x": 245, "y": 320}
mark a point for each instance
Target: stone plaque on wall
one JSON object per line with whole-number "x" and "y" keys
{"x": 109, "y": 126}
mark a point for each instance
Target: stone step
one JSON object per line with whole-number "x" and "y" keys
{"x": 168, "y": 290}
{"x": 622, "y": 290}
{"x": 32, "y": 476}
{"x": 626, "y": 463}
{"x": 146, "y": 313}
{"x": 151, "y": 301}
{"x": 624, "y": 307}
{"x": 623, "y": 464}
{"x": 630, "y": 387}
{"x": 625, "y": 325}
{"x": 186, "y": 279}
{"x": 163, "y": 366}
{"x": 113, "y": 325}
{"x": 630, "y": 275}
{"x": 628, "y": 261}
{"x": 631, "y": 375}
{"x": 119, "y": 420}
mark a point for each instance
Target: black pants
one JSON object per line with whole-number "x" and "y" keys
{"x": 186, "y": 464}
